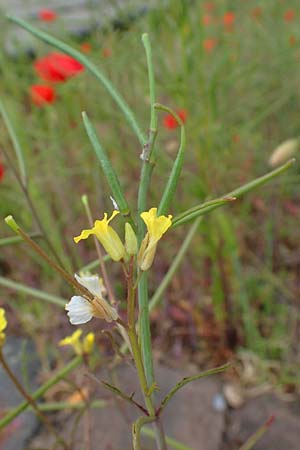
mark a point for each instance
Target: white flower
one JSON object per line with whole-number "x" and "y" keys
{"x": 81, "y": 310}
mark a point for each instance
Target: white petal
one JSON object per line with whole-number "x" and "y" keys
{"x": 92, "y": 283}
{"x": 79, "y": 310}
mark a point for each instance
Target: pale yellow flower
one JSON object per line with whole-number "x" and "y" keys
{"x": 81, "y": 347}
{"x": 3, "y": 324}
{"x": 107, "y": 236}
{"x": 156, "y": 227}
{"x": 88, "y": 343}
{"x": 74, "y": 341}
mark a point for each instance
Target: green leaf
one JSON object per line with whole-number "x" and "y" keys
{"x": 206, "y": 207}
{"x": 187, "y": 380}
{"x": 107, "y": 168}
{"x": 90, "y": 66}
{"x": 171, "y": 186}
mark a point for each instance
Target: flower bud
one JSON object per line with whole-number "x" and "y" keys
{"x": 131, "y": 245}
{"x": 284, "y": 152}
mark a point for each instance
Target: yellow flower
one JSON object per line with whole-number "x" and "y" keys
{"x": 81, "y": 347}
{"x": 156, "y": 227}
{"x": 107, "y": 236}
{"x": 88, "y": 343}
{"x": 3, "y": 324}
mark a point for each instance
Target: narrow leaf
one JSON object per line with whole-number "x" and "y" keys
{"x": 257, "y": 435}
{"x": 57, "y": 43}
{"x": 170, "y": 188}
{"x": 187, "y": 380}
{"x": 205, "y": 208}
{"x": 107, "y": 168}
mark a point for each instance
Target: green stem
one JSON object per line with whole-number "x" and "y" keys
{"x": 62, "y": 272}
{"x": 40, "y": 391}
{"x": 144, "y": 327}
{"x": 136, "y": 351}
{"x": 170, "y": 441}
{"x": 147, "y": 166}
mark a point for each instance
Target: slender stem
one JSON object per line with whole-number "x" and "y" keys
{"x": 62, "y": 272}
{"x": 130, "y": 296}
{"x": 106, "y": 279}
{"x": 144, "y": 327}
{"x": 31, "y": 401}
{"x": 40, "y": 391}
{"x": 136, "y": 351}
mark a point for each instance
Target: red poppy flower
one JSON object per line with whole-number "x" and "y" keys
{"x": 57, "y": 67}
{"x": 170, "y": 122}
{"x": 209, "y": 44}
{"x": 2, "y": 171}
{"x": 86, "y": 47}
{"x": 228, "y": 19}
{"x": 289, "y": 15}
{"x": 41, "y": 94}
{"x": 47, "y": 15}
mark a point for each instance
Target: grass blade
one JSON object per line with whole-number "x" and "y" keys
{"x": 16, "y": 144}
{"x": 10, "y": 284}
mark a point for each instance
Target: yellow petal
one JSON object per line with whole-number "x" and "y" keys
{"x": 74, "y": 341}
{"x": 3, "y": 321}
{"x": 88, "y": 343}
{"x": 156, "y": 225}
{"x": 107, "y": 236}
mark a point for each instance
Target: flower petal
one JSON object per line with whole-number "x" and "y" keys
{"x": 79, "y": 310}
{"x": 92, "y": 283}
